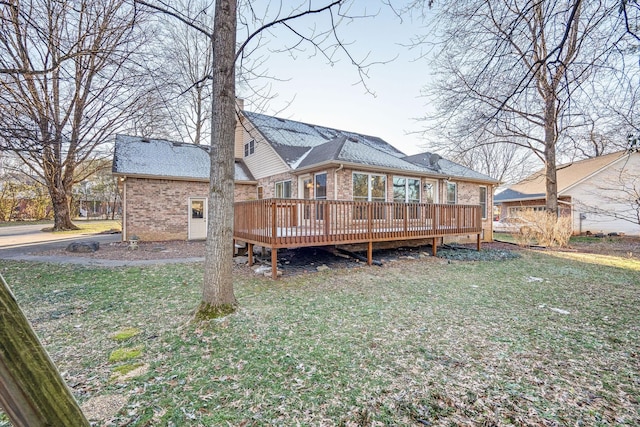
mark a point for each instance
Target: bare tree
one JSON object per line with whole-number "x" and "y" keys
{"x": 218, "y": 297}
{"x": 520, "y": 73}
{"x": 67, "y": 85}
{"x": 186, "y": 73}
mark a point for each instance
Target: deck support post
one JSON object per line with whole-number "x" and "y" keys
{"x": 478, "y": 243}
{"x": 370, "y": 253}
{"x": 250, "y": 253}
{"x": 434, "y": 247}
{"x": 274, "y": 263}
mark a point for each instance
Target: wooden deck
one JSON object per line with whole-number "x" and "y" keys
{"x": 294, "y": 223}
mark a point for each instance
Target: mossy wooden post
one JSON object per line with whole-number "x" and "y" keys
{"x": 32, "y": 392}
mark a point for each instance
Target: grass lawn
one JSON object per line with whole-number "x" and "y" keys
{"x": 546, "y": 339}
{"x": 84, "y": 226}
{"x": 93, "y": 226}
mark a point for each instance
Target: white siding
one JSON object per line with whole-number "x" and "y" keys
{"x": 607, "y": 197}
{"x": 264, "y": 161}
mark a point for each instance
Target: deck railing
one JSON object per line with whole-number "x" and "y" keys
{"x": 279, "y": 223}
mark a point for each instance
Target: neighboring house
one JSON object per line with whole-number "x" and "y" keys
{"x": 602, "y": 194}
{"x": 165, "y": 187}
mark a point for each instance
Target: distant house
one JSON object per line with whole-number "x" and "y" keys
{"x": 601, "y": 194}
{"x": 164, "y": 184}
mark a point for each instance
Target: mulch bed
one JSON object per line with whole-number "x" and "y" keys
{"x": 301, "y": 260}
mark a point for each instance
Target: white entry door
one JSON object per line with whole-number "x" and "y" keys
{"x": 197, "y": 218}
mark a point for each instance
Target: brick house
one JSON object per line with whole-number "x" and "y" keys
{"x": 164, "y": 184}
{"x": 600, "y": 194}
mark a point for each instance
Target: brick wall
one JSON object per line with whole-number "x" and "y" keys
{"x": 268, "y": 185}
{"x": 243, "y": 192}
{"x": 158, "y": 209}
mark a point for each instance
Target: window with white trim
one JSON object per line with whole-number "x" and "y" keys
{"x": 320, "y": 193}
{"x": 452, "y": 193}
{"x": 430, "y": 191}
{"x": 483, "y": 202}
{"x": 406, "y": 190}
{"x": 283, "y": 189}
{"x": 249, "y": 148}
{"x": 370, "y": 188}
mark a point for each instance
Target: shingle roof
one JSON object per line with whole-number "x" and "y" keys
{"x": 442, "y": 166}
{"x": 292, "y": 139}
{"x": 353, "y": 150}
{"x": 299, "y": 144}
{"x": 569, "y": 174}
{"x": 510, "y": 194}
{"x": 303, "y": 145}
{"x": 157, "y": 157}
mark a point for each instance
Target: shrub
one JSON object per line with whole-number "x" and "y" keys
{"x": 543, "y": 228}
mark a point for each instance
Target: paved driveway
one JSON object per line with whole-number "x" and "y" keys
{"x": 19, "y": 240}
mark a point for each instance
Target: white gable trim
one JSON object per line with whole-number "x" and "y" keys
{"x": 566, "y": 191}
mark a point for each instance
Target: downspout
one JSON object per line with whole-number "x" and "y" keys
{"x": 124, "y": 208}
{"x": 335, "y": 181}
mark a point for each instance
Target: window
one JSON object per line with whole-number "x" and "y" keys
{"x": 260, "y": 193}
{"x": 452, "y": 193}
{"x": 483, "y": 202}
{"x": 320, "y": 193}
{"x": 320, "y": 186}
{"x": 249, "y": 148}
{"x": 307, "y": 185}
{"x": 283, "y": 189}
{"x": 369, "y": 187}
{"x": 372, "y": 188}
{"x": 514, "y": 212}
{"x": 429, "y": 192}
{"x": 406, "y": 190}
{"x": 197, "y": 209}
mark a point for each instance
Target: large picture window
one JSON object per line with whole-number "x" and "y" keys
{"x": 283, "y": 189}
{"x": 406, "y": 190}
{"x": 369, "y": 188}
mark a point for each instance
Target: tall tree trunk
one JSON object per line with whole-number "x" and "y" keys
{"x": 550, "y": 138}
{"x": 61, "y": 210}
{"x": 217, "y": 294}
{"x": 59, "y": 182}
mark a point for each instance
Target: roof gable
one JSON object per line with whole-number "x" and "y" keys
{"x": 353, "y": 150}
{"x": 568, "y": 175}
{"x": 292, "y": 140}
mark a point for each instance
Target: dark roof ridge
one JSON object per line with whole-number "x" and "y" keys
{"x": 314, "y": 125}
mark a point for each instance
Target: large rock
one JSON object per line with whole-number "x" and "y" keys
{"x": 83, "y": 247}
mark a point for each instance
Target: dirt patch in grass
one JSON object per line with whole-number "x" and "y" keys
{"x": 146, "y": 251}
{"x": 310, "y": 257}
{"x": 624, "y": 246}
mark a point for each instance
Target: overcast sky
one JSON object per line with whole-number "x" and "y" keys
{"x": 331, "y": 95}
